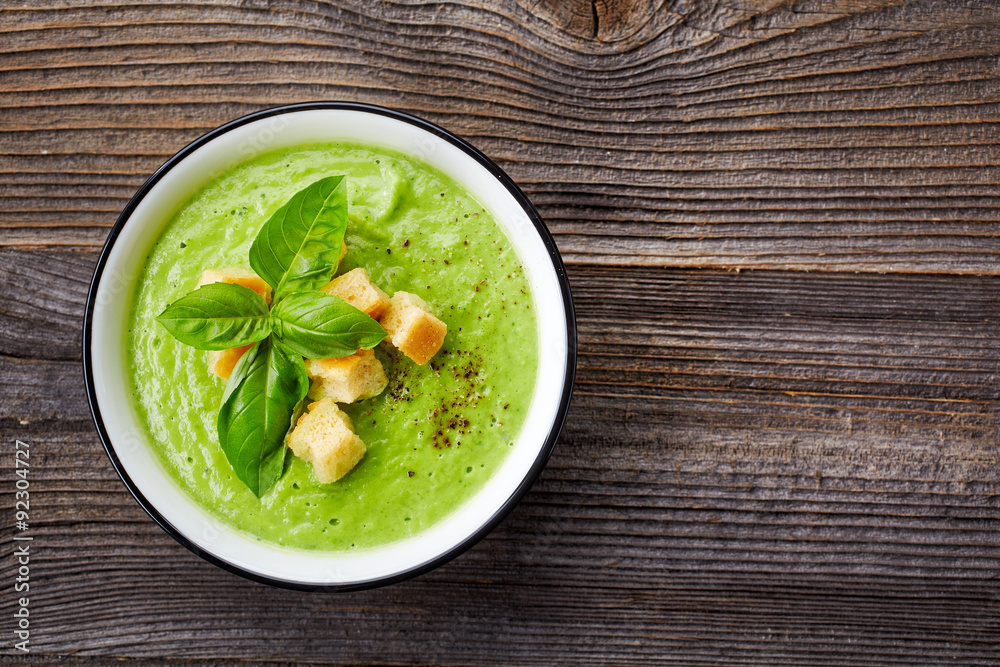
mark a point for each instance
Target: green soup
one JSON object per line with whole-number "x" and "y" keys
{"x": 435, "y": 435}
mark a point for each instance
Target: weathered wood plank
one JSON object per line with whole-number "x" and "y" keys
{"x": 789, "y": 115}
{"x": 674, "y": 582}
{"x": 781, "y": 467}
{"x": 42, "y": 297}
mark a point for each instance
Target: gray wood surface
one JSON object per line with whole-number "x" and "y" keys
{"x": 781, "y": 221}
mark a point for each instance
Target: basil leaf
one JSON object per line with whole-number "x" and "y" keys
{"x": 298, "y": 248}
{"x": 217, "y": 316}
{"x": 317, "y": 325}
{"x": 256, "y": 413}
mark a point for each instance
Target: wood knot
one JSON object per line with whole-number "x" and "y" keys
{"x": 597, "y": 20}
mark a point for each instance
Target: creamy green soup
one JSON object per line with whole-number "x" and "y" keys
{"x": 435, "y": 435}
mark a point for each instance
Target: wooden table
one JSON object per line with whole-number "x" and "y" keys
{"x": 780, "y": 220}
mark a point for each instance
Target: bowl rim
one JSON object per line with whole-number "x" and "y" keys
{"x": 544, "y": 451}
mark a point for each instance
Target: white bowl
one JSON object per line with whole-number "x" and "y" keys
{"x": 121, "y": 262}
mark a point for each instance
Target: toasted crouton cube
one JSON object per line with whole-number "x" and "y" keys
{"x": 412, "y": 329}
{"x": 347, "y": 379}
{"x": 325, "y": 437}
{"x": 237, "y": 275}
{"x": 222, "y": 362}
{"x": 357, "y": 289}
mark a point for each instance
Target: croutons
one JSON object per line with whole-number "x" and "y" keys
{"x": 222, "y": 362}
{"x": 412, "y": 329}
{"x": 347, "y": 379}
{"x": 324, "y": 436}
{"x": 355, "y": 288}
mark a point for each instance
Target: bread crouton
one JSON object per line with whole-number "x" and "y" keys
{"x": 222, "y": 362}
{"x": 237, "y": 275}
{"x": 347, "y": 379}
{"x": 324, "y": 437}
{"x": 357, "y": 289}
{"x": 412, "y": 329}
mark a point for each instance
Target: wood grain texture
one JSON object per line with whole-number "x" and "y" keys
{"x": 782, "y": 226}
{"x": 758, "y": 468}
{"x": 689, "y": 134}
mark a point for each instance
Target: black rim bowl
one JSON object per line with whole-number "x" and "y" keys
{"x": 544, "y": 452}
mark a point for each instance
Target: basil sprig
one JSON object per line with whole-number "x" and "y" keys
{"x": 218, "y": 316}
{"x": 299, "y": 246}
{"x": 256, "y": 411}
{"x": 318, "y": 325}
{"x": 296, "y": 251}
